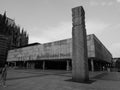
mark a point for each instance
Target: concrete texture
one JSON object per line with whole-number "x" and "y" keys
{"x": 61, "y": 49}
{"x": 59, "y": 80}
{"x": 79, "y": 46}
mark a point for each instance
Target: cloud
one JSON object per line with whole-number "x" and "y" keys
{"x": 114, "y": 26}
{"x": 117, "y": 26}
{"x": 94, "y": 3}
{"x": 115, "y": 49}
{"x": 95, "y": 27}
{"x": 118, "y": 1}
{"x": 63, "y": 30}
{"x": 49, "y": 34}
{"x": 110, "y": 3}
{"x": 101, "y": 3}
{"x": 33, "y": 39}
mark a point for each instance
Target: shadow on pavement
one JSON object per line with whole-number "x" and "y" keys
{"x": 115, "y": 76}
{"x": 85, "y": 82}
{"x": 26, "y": 77}
{"x": 39, "y": 75}
{"x": 112, "y": 76}
{"x": 99, "y": 76}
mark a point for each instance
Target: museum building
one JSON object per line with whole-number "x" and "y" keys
{"x": 58, "y": 55}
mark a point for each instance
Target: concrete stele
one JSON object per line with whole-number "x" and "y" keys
{"x": 79, "y": 46}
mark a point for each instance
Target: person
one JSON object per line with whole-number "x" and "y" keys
{"x": 3, "y": 76}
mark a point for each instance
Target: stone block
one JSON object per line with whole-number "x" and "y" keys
{"x": 79, "y": 46}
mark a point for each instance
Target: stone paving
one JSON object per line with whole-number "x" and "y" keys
{"x": 59, "y": 80}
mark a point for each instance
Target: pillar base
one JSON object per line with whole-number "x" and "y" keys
{"x": 80, "y": 80}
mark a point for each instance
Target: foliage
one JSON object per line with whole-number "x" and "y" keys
{"x": 17, "y": 36}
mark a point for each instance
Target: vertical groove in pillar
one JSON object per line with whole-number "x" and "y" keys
{"x": 79, "y": 46}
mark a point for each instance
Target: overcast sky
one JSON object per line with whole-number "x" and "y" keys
{"x": 51, "y": 20}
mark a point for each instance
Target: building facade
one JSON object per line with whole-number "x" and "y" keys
{"x": 58, "y": 55}
{"x": 116, "y": 64}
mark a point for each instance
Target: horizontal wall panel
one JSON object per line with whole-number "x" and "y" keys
{"x": 57, "y": 50}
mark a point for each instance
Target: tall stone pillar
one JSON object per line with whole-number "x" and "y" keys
{"x": 92, "y": 65}
{"x": 79, "y": 46}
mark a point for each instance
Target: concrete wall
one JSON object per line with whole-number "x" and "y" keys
{"x": 101, "y": 52}
{"x": 90, "y": 46}
{"x": 54, "y": 50}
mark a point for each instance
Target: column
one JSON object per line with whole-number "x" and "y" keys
{"x": 101, "y": 68}
{"x": 92, "y": 65}
{"x": 27, "y": 65}
{"x": 43, "y": 65}
{"x": 24, "y": 64}
{"x": 33, "y": 65}
{"x": 68, "y": 65}
{"x": 8, "y": 64}
{"x": 15, "y": 64}
{"x": 79, "y": 46}
{"x": 30, "y": 65}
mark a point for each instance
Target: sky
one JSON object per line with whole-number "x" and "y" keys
{"x": 51, "y": 20}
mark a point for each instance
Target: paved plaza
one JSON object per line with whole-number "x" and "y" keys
{"x": 27, "y": 79}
